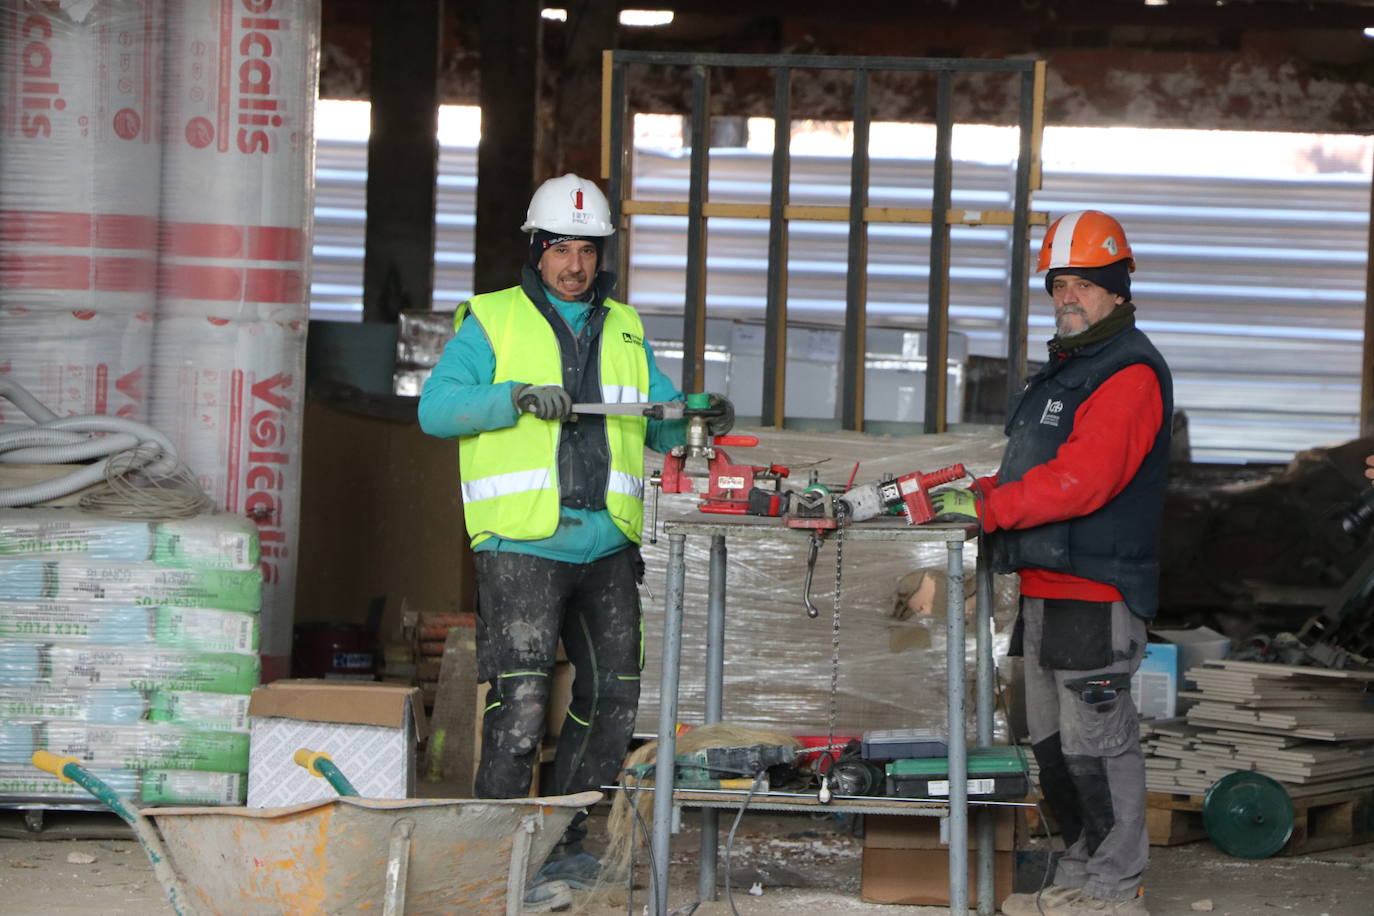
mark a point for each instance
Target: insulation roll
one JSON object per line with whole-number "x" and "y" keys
{"x": 80, "y": 171}
{"x": 77, "y": 362}
{"x": 229, "y": 394}
{"x": 238, "y": 179}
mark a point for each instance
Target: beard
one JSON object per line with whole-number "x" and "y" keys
{"x": 1061, "y": 317}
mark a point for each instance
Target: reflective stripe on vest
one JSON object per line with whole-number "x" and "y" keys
{"x": 506, "y": 484}
{"x": 510, "y": 476}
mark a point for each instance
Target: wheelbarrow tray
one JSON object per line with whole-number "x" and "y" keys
{"x": 331, "y": 856}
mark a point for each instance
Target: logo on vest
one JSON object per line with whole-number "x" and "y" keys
{"x": 629, "y": 338}
{"x": 1050, "y": 415}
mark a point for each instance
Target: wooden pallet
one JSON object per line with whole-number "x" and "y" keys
{"x": 1327, "y": 820}
{"x": 1174, "y": 819}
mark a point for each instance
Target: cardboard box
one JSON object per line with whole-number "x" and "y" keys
{"x": 895, "y": 831}
{"x": 1156, "y": 684}
{"x": 369, "y": 730}
{"x": 906, "y": 857}
{"x": 921, "y": 876}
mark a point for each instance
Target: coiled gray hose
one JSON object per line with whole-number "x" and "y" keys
{"x": 132, "y": 445}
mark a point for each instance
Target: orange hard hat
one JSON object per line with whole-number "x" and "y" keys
{"x": 1088, "y": 238}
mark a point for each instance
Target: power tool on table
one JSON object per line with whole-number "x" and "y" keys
{"x": 910, "y": 493}
{"x": 736, "y": 767}
{"x": 727, "y": 485}
{"x": 816, "y": 507}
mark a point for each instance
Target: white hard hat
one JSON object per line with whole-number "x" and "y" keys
{"x": 571, "y": 206}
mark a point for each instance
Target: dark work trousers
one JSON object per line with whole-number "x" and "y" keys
{"x": 525, "y": 605}
{"x": 1092, "y": 771}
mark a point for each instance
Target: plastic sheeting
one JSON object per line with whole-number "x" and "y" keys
{"x": 143, "y": 787}
{"x": 130, "y": 646}
{"x": 778, "y": 660}
{"x": 156, "y": 190}
{"x": 213, "y": 541}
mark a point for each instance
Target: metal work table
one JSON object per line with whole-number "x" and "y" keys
{"x": 718, "y": 528}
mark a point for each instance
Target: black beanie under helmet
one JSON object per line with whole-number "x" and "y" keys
{"x": 541, "y": 241}
{"x": 1115, "y": 277}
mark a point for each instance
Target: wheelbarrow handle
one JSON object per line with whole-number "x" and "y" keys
{"x": 69, "y": 769}
{"x": 318, "y": 763}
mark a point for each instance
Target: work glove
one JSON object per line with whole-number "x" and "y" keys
{"x": 719, "y": 426}
{"x": 953, "y": 505}
{"x": 547, "y": 402}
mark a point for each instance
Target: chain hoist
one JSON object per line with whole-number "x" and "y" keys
{"x": 826, "y": 793}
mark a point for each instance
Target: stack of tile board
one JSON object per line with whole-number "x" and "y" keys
{"x": 1304, "y": 726}
{"x": 131, "y": 646}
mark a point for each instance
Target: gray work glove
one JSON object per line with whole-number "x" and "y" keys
{"x": 719, "y": 426}
{"x": 547, "y": 402}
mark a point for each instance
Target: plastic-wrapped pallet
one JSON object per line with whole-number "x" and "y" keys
{"x": 131, "y": 646}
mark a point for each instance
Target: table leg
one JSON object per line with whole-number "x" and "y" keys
{"x": 958, "y": 754}
{"x": 667, "y": 721}
{"x": 715, "y": 696}
{"x": 985, "y": 699}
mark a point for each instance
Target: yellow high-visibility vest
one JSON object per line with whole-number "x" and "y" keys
{"x": 510, "y": 476}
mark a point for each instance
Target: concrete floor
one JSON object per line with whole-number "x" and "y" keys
{"x": 803, "y": 864}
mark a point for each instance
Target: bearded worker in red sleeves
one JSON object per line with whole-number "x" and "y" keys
{"x": 1075, "y": 510}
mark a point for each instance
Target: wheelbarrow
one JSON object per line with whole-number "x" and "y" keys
{"x": 342, "y": 855}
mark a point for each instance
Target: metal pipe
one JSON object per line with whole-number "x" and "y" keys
{"x": 984, "y": 692}
{"x": 715, "y": 696}
{"x": 958, "y": 754}
{"x": 667, "y": 720}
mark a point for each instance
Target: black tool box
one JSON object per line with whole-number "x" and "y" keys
{"x": 904, "y": 744}
{"x": 994, "y": 774}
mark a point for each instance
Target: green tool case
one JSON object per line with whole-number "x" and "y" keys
{"x": 994, "y": 774}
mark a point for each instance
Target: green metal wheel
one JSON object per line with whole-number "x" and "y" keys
{"x": 1248, "y": 815}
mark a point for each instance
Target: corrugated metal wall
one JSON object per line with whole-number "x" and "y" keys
{"x": 1253, "y": 289}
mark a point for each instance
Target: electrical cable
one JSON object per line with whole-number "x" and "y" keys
{"x": 649, "y": 846}
{"x": 759, "y": 777}
{"x": 176, "y": 494}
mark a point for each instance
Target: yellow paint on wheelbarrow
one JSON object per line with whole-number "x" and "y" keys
{"x": 330, "y": 857}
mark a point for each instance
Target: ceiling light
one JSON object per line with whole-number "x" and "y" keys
{"x": 627, "y": 17}
{"x": 1156, "y": 2}
{"x": 646, "y": 17}
{"x": 1369, "y": 32}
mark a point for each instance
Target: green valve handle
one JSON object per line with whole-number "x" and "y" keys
{"x": 318, "y": 763}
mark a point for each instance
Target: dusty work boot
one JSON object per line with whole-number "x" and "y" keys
{"x": 575, "y": 867}
{"x": 546, "y": 896}
{"x": 1050, "y": 896}
{"x": 1085, "y": 904}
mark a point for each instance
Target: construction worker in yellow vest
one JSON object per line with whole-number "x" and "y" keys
{"x": 554, "y": 505}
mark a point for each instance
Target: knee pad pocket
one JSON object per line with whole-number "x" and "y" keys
{"x": 520, "y": 700}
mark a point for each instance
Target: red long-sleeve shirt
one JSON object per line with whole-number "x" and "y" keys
{"x": 1113, "y": 431}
